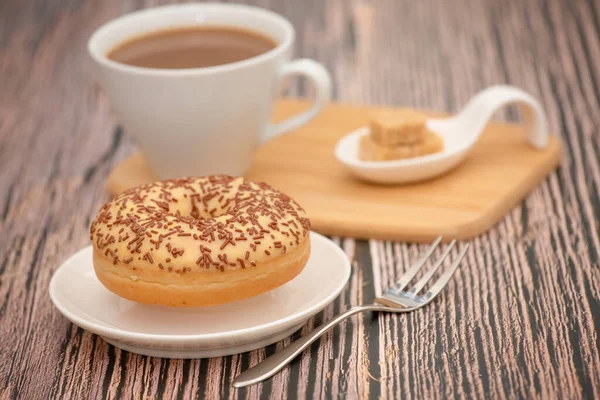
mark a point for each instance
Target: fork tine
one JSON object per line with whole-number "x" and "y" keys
{"x": 441, "y": 283}
{"x": 408, "y": 275}
{"x": 425, "y": 278}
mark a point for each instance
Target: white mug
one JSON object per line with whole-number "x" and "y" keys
{"x": 203, "y": 121}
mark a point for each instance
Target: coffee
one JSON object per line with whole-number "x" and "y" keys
{"x": 191, "y": 47}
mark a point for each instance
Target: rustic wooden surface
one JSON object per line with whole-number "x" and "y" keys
{"x": 520, "y": 320}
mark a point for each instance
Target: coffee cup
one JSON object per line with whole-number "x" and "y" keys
{"x": 210, "y": 120}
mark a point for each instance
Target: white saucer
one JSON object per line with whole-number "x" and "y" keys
{"x": 204, "y": 331}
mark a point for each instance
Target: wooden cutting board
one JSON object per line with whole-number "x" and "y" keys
{"x": 467, "y": 201}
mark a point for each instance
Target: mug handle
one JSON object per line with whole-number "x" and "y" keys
{"x": 321, "y": 80}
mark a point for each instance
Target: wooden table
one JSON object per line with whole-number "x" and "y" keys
{"x": 520, "y": 320}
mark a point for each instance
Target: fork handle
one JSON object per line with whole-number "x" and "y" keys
{"x": 275, "y": 363}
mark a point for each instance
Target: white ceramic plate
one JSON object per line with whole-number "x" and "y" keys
{"x": 204, "y": 331}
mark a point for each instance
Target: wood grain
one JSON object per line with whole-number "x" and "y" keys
{"x": 520, "y": 320}
{"x": 467, "y": 201}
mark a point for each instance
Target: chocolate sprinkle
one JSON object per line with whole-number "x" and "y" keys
{"x": 257, "y": 218}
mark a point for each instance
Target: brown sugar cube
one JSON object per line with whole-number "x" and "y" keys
{"x": 371, "y": 151}
{"x": 394, "y": 128}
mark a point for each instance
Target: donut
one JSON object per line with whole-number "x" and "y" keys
{"x": 192, "y": 242}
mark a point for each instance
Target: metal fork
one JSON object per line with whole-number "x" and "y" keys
{"x": 395, "y": 300}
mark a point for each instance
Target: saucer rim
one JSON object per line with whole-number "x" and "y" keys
{"x": 282, "y": 323}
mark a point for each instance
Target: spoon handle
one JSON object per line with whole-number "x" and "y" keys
{"x": 478, "y": 111}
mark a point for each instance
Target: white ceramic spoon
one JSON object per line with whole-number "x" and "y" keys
{"x": 459, "y": 132}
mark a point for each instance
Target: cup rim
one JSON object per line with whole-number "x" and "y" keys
{"x": 101, "y": 58}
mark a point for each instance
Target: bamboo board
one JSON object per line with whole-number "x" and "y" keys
{"x": 467, "y": 201}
